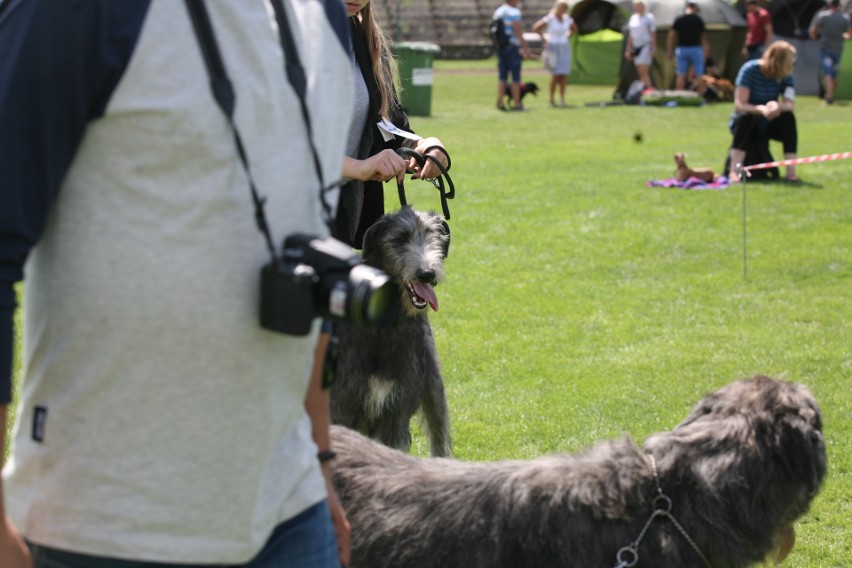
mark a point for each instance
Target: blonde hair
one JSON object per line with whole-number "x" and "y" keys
{"x": 384, "y": 63}
{"x": 560, "y": 4}
{"x": 778, "y": 60}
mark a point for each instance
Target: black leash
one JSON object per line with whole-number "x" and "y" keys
{"x": 447, "y": 191}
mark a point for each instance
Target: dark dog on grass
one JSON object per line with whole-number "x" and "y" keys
{"x": 384, "y": 375}
{"x": 722, "y": 489}
{"x": 526, "y": 89}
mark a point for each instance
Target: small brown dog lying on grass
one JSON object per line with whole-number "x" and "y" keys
{"x": 684, "y": 172}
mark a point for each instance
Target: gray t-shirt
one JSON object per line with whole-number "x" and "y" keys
{"x": 171, "y": 426}
{"x": 831, "y": 27}
{"x": 362, "y": 109}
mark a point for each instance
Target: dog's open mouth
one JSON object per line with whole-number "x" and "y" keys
{"x": 421, "y": 295}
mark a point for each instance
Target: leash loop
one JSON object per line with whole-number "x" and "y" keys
{"x": 662, "y": 504}
{"x": 447, "y": 191}
{"x": 624, "y": 563}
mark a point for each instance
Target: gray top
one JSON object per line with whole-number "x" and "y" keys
{"x": 362, "y": 109}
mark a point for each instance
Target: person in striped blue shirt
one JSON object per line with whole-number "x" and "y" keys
{"x": 758, "y": 112}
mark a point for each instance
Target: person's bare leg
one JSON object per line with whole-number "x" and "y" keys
{"x": 644, "y": 72}
{"x": 501, "y": 95}
{"x": 791, "y": 170}
{"x": 828, "y": 83}
{"x": 680, "y": 82}
{"x": 554, "y": 80}
{"x": 737, "y": 157}
{"x": 516, "y": 94}
{"x": 563, "y": 83}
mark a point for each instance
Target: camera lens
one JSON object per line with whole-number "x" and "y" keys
{"x": 374, "y": 298}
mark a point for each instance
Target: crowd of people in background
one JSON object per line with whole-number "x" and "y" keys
{"x": 687, "y": 46}
{"x": 763, "y": 92}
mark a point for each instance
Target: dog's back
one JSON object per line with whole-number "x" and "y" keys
{"x": 742, "y": 467}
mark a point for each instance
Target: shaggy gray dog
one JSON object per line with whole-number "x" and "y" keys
{"x": 385, "y": 374}
{"x": 742, "y": 467}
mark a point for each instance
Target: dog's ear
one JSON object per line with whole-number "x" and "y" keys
{"x": 801, "y": 450}
{"x": 446, "y": 230}
{"x": 369, "y": 249}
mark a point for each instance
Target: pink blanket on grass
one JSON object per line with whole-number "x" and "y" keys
{"x": 693, "y": 183}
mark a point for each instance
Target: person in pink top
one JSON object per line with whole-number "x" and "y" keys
{"x": 759, "y": 34}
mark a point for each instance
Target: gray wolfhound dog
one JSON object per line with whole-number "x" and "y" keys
{"x": 722, "y": 489}
{"x": 385, "y": 374}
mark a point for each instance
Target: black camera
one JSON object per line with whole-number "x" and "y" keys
{"x": 323, "y": 277}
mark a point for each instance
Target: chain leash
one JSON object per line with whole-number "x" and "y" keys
{"x": 628, "y": 556}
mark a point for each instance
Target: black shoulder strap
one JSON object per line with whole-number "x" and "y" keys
{"x": 223, "y": 92}
{"x": 296, "y": 77}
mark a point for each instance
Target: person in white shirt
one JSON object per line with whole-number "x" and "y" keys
{"x": 554, "y": 29}
{"x": 641, "y": 41}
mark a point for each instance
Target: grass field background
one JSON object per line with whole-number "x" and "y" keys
{"x": 581, "y": 305}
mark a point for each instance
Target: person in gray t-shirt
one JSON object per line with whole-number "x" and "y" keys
{"x": 831, "y": 27}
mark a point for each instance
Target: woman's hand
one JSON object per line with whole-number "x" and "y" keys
{"x": 384, "y": 166}
{"x": 770, "y": 110}
{"x": 429, "y": 170}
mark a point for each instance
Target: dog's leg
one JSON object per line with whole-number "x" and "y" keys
{"x": 394, "y": 431}
{"x": 436, "y": 413}
{"x": 349, "y": 395}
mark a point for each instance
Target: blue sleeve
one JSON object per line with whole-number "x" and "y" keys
{"x": 60, "y": 63}
{"x": 745, "y": 76}
{"x": 339, "y": 22}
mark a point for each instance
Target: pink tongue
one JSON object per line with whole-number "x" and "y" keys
{"x": 426, "y": 292}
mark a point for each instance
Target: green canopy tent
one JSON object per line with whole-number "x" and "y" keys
{"x": 596, "y": 49}
{"x": 844, "y": 78}
{"x": 596, "y": 57}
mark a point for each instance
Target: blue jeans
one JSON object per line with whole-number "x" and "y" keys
{"x": 690, "y": 55}
{"x": 755, "y": 51}
{"x": 305, "y": 541}
{"x": 830, "y": 62}
{"x": 509, "y": 62}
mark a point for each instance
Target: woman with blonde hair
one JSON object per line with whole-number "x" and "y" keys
{"x": 757, "y": 110}
{"x": 556, "y": 49}
{"x": 371, "y": 157}
{"x": 641, "y": 41}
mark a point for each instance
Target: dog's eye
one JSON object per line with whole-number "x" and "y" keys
{"x": 399, "y": 240}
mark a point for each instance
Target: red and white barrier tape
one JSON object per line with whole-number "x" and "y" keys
{"x": 796, "y": 161}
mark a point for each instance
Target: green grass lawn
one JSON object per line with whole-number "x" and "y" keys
{"x": 581, "y": 305}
